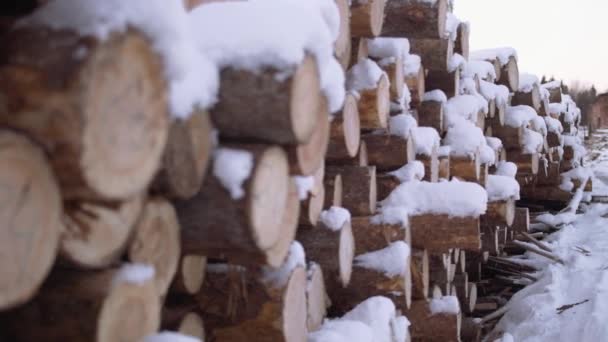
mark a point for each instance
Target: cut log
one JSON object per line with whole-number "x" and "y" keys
{"x": 185, "y": 158}
{"x": 555, "y": 94}
{"x": 333, "y": 251}
{"x": 439, "y": 233}
{"x": 552, "y": 176}
{"x": 345, "y": 132}
{"x": 386, "y": 183}
{"x": 333, "y": 191}
{"x": 86, "y": 306}
{"x": 489, "y": 240}
{"x": 544, "y": 108}
{"x": 362, "y": 159}
{"x": 342, "y": 45}
{"x": 394, "y": 69}
{"x": 435, "y": 53}
{"x": 312, "y": 207}
{"x": 444, "y": 167}
{"x": 431, "y": 166}
{"x": 388, "y": 152}
{"x": 511, "y": 137}
{"x": 448, "y": 82}
{"x": 367, "y": 17}
{"x": 462, "y": 40}
{"x": 549, "y": 193}
{"x": 416, "y": 85}
{"x": 244, "y": 229}
{"x": 30, "y": 219}
{"x": 96, "y": 234}
{"x": 471, "y": 330}
{"x": 182, "y": 315}
{"x": 305, "y": 159}
{"x": 531, "y": 99}
{"x": 430, "y": 114}
{"x": 374, "y": 105}
{"x": 371, "y": 237}
{"x": 156, "y": 242}
{"x": 509, "y": 75}
{"x": 554, "y": 139}
{"x": 415, "y": 19}
{"x": 420, "y": 273}
{"x": 432, "y": 328}
{"x": 521, "y": 223}
{"x": 526, "y": 163}
{"x": 359, "y": 50}
{"x": 465, "y": 168}
{"x": 190, "y": 275}
{"x": 500, "y": 213}
{"x": 105, "y": 128}
{"x": 317, "y": 300}
{"x": 359, "y": 192}
{"x": 268, "y": 106}
{"x": 239, "y": 304}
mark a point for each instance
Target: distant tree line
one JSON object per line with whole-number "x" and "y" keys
{"x": 583, "y": 94}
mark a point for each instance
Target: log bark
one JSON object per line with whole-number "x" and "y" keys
{"x": 244, "y": 229}
{"x": 439, "y": 233}
{"x": 359, "y": 50}
{"x": 462, "y": 40}
{"x": 509, "y": 75}
{"x": 97, "y": 234}
{"x": 311, "y": 208}
{"x": 465, "y": 168}
{"x": 415, "y": 19}
{"x": 430, "y": 114}
{"x": 431, "y": 166}
{"x": 388, "y": 152}
{"x": 102, "y": 119}
{"x": 305, "y": 159}
{"x": 185, "y": 158}
{"x": 552, "y": 176}
{"x": 471, "y": 331}
{"x": 342, "y": 45}
{"x": 417, "y": 86}
{"x": 333, "y": 191}
{"x": 500, "y": 213}
{"x": 546, "y": 193}
{"x": 317, "y": 300}
{"x": 554, "y": 139}
{"x": 394, "y": 70}
{"x": 442, "y": 79}
{"x": 511, "y": 137}
{"x": 555, "y": 95}
{"x": 30, "y": 219}
{"x": 521, "y": 223}
{"x": 156, "y": 242}
{"x": 432, "y": 328}
{"x": 239, "y": 304}
{"x": 420, "y": 270}
{"x": 386, "y": 183}
{"x": 262, "y": 106}
{"x": 435, "y": 53}
{"x": 367, "y": 18}
{"x": 371, "y": 237}
{"x": 86, "y": 306}
{"x": 345, "y": 132}
{"x": 333, "y": 251}
{"x": 359, "y": 192}
{"x": 190, "y": 274}
{"x": 526, "y": 163}
{"x": 531, "y": 99}
{"x": 374, "y": 106}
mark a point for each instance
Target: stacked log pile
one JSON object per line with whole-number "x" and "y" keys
{"x": 381, "y": 176}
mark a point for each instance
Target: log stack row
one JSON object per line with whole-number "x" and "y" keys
{"x": 260, "y": 216}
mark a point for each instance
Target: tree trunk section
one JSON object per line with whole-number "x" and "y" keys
{"x": 374, "y": 106}
{"x": 526, "y": 163}
{"x": 359, "y": 192}
{"x": 388, "y": 152}
{"x": 417, "y": 87}
{"x": 367, "y": 17}
{"x": 440, "y": 233}
{"x": 531, "y": 99}
{"x": 342, "y": 46}
{"x": 345, "y": 132}
{"x": 430, "y": 114}
{"x": 465, "y": 168}
{"x": 500, "y": 213}
{"x": 305, "y": 159}
{"x": 509, "y": 75}
{"x": 415, "y": 19}
{"x": 386, "y": 184}
{"x": 420, "y": 274}
{"x": 371, "y": 237}
{"x": 190, "y": 275}
{"x": 317, "y": 300}
{"x": 435, "y": 53}
{"x": 461, "y": 45}
{"x": 442, "y": 79}
{"x": 432, "y": 328}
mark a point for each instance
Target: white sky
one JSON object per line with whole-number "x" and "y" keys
{"x": 564, "y": 38}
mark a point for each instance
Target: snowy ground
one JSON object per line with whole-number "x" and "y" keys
{"x": 569, "y": 302}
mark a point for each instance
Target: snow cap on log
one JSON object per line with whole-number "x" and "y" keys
{"x": 496, "y": 92}
{"x": 466, "y": 107}
{"x": 364, "y": 75}
{"x": 278, "y": 277}
{"x": 519, "y": 116}
{"x": 402, "y": 125}
{"x": 377, "y": 313}
{"x": 192, "y": 76}
{"x": 485, "y": 70}
{"x": 435, "y": 95}
{"x": 169, "y": 336}
{"x": 527, "y": 82}
{"x": 446, "y": 304}
{"x": 501, "y": 54}
{"x": 255, "y": 43}
{"x": 426, "y": 140}
{"x": 341, "y": 330}
{"x": 501, "y": 188}
{"x": 505, "y": 168}
{"x": 381, "y": 48}
{"x": 411, "y": 171}
{"x": 334, "y": 218}
{"x": 465, "y": 139}
{"x": 392, "y": 261}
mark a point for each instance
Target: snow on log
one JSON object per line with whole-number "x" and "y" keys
{"x": 388, "y": 152}
{"x": 190, "y": 274}
{"x": 555, "y": 91}
{"x": 359, "y": 191}
{"x": 431, "y": 326}
{"x": 332, "y": 246}
{"x": 415, "y": 19}
{"x": 434, "y": 53}
{"x": 114, "y": 96}
{"x": 185, "y": 158}
{"x": 271, "y": 305}
{"x": 30, "y": 224}
{"x": 367, "y": 17}
{"x": 527, "y": 163}
{"x": 111, "y": 305}
{"x": 500, "y": 213}
{"x": 521, "y": 222}
{"x": 240, "y": 208}
{"x": 345, "y": 132}
{"x": 96, "y": 234}
{"x": 156, "y": 242}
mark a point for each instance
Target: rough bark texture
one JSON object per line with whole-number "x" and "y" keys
{"x": 371, "y": 237}
{"x": 388, "y": 152}
{"x": 30, "y": 219}
{"x": 431, "y": 166}
{"x": 465, "y": 168}
{"x": 85, "y": 306}
{"x": 268, "y": 108}
{"x": 526, "y": 163}
{"x": 521, "y": 223}
{"x": 243, "y": 229}
{"x": 448, "y": 82}
{"x": 386, "y": 184}
{"x": 430, "y": 114}
{"x": 435, "y": 53}
{"x": 415, "y": 19}
{"x": 432, "y": 328}
{"x": 359, "y": 191}
{"x": 102, "y": 119}
{"x": 440, "y": 233}
{"x": 552, "y": 175}
{"x": 367, "y": 18}
{"x": 500, "y": 213}
{"x": 394, "y": 70}
{"x": 531, "y": 98}
{"x": 185, "y": 158}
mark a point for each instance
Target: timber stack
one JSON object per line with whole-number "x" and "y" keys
{"x": 371, "y": 175}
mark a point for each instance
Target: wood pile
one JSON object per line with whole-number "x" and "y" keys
{"x": 257, "y": 217}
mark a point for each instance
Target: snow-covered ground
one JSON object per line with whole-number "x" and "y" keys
{"x": 569, "y": 302}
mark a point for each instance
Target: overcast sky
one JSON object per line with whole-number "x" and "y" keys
{"x": 564, "y": 38}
